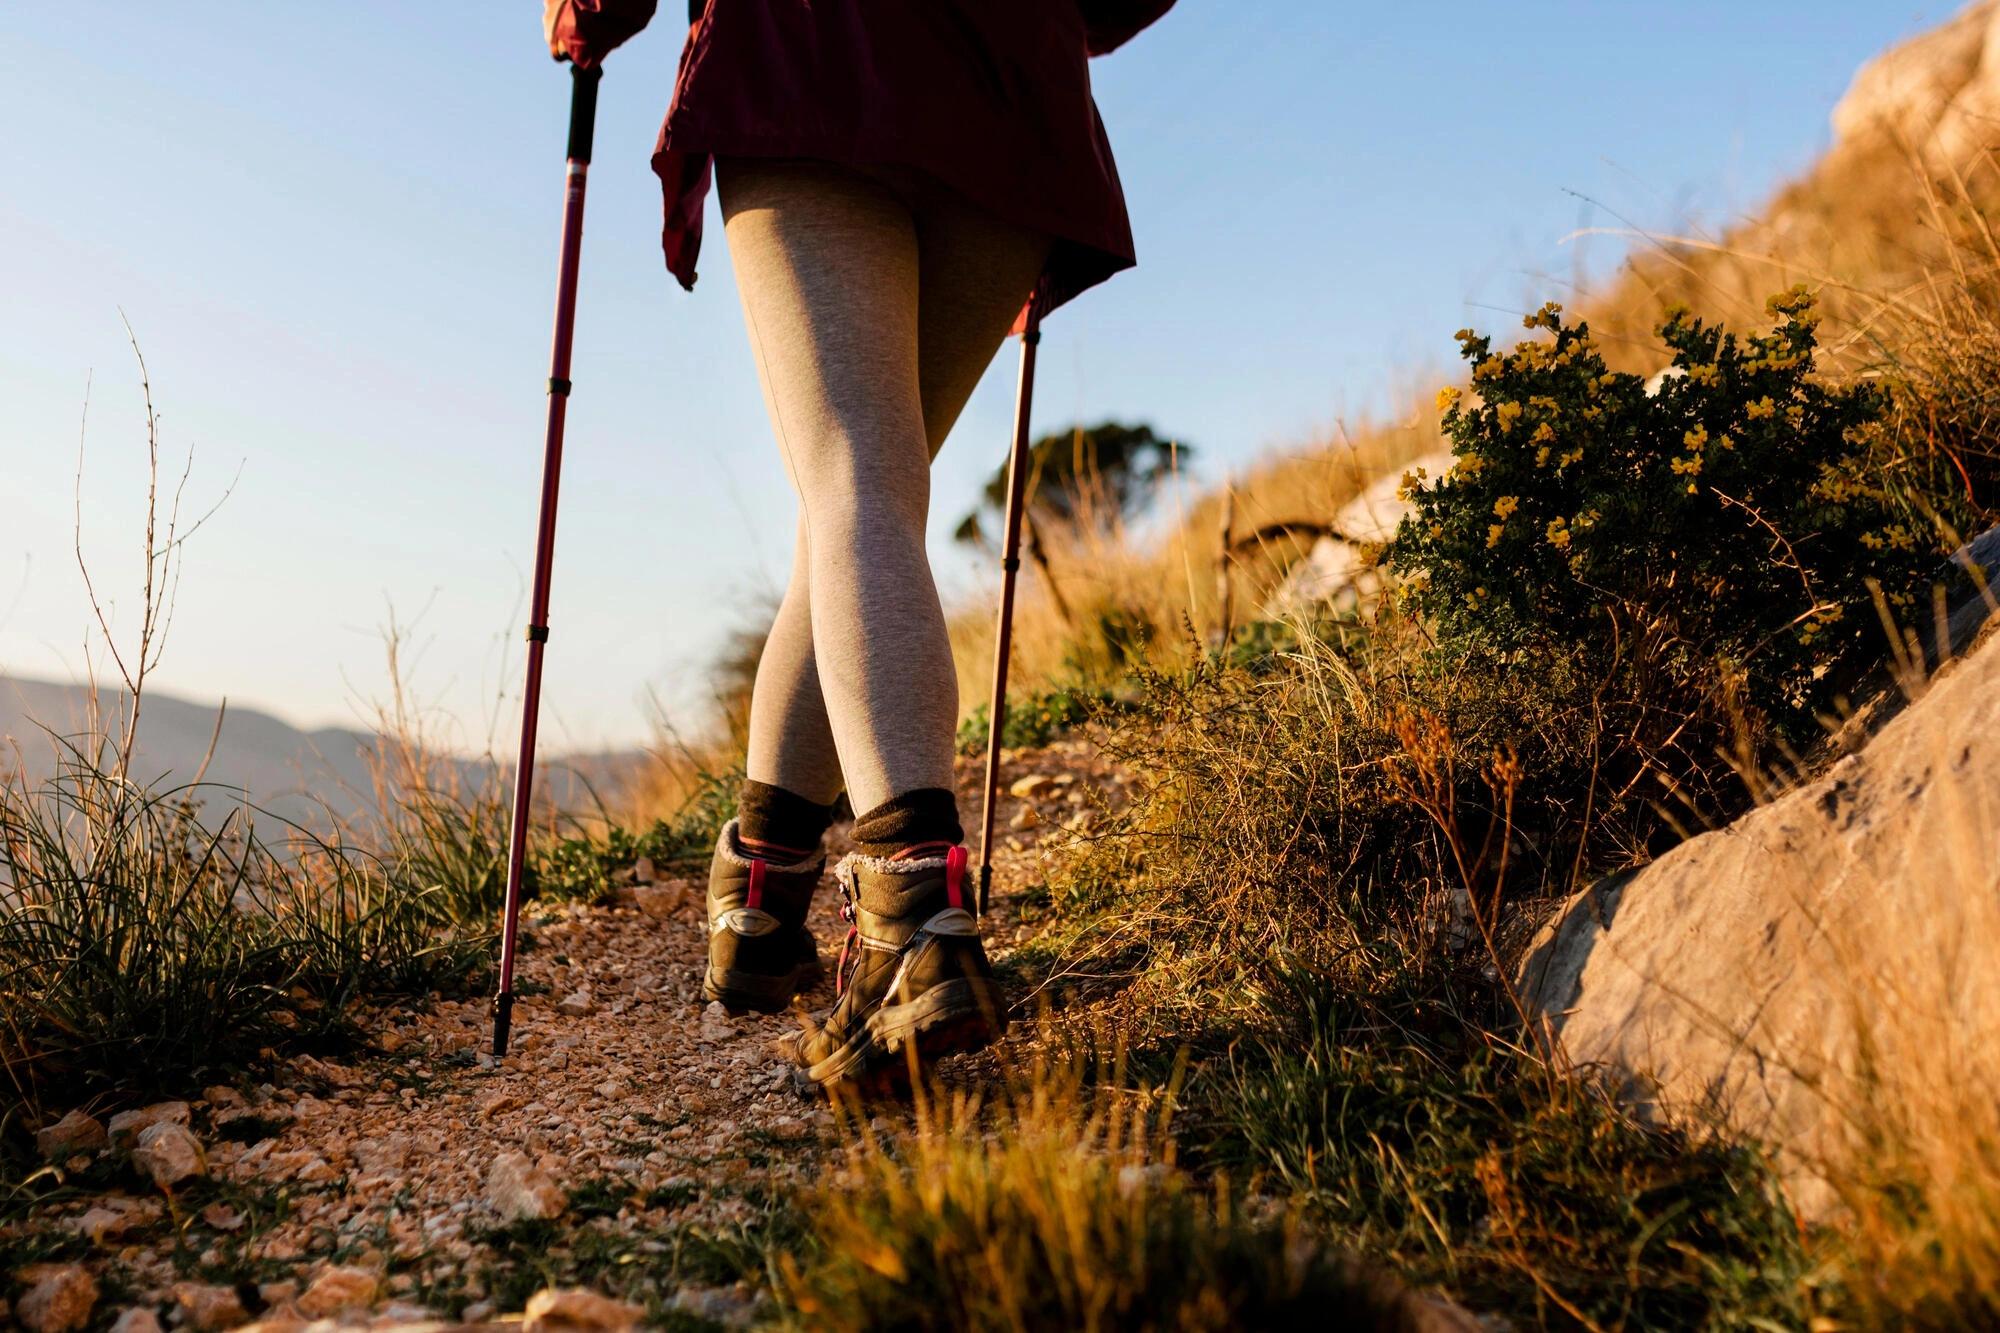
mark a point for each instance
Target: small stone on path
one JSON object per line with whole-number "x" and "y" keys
{"x": 574, "y": 1310}
{"x": 127, "y": 1126}
{"x": 138, "y": 1319}
{"x": 519, "y": 1190}
{"x": 715, "y": 1023}
{"x": 1032, "y": 786}
{"x": 60, "y": 1297}
{"x": 169, "y": 1153}
{"x": 75, "y": 1133}
{"x": 661, "y": 900}
{"x": 338, "y": 1289}
{"x": 576, "y": 1004}
{"x": 205, "y": 1307}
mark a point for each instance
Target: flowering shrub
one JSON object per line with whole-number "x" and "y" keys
{"x": 1719, "y": 537}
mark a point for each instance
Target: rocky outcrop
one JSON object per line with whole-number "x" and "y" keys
{"x": 1939, "y": 93}
{"x": 1340, "y": 562}
{"x": 1772, "y": 971}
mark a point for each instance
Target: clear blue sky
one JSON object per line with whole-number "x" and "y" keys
{"x": 333, "y": 228}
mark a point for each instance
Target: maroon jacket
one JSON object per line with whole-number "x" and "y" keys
{"x": 990, "y": 97}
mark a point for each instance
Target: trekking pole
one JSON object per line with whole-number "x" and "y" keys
{"x": 582, "y": 121}
{"x": 1010, "y": 566}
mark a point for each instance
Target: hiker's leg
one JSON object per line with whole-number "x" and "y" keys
{"x": 975, "y": 274}
{"x": 826, "y": 263}
{"x": 791, "y": 743}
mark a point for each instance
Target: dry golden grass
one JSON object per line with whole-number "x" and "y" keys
{"x": 1104, "y": 598}
{"x": 1057, "y": 1203}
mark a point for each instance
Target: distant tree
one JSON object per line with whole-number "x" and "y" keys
{"x": 1087, "y": 474}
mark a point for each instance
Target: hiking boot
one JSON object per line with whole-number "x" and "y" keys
{"x": 760, "y": 953}
{"x": 912, "y": 973}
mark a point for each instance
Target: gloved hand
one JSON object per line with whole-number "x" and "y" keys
{"x": 585, "y": 31}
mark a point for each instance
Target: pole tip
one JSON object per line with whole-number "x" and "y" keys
{"x": 503, "y": 1022}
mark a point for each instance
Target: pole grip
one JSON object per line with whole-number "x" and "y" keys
{"x": 582, "y": 110}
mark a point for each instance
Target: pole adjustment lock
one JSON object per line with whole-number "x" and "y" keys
{"x": 538, "y": 634}
{"x": 558, "y": 387}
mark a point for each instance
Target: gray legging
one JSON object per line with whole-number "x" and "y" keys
{"x": 874, "y": 302}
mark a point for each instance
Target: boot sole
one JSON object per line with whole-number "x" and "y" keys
{"x": 741, "y": 993}
{"x": 955, "y": 1016}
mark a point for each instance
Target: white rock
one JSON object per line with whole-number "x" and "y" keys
{"x": 1024, "y": 818}
{"x": 519, "y": 1190}
{"x": 1340, "y": 564}
{"x": 169, "y": 1153}
{"x": 574, "y": 1310}
{"x": 575, "y": 1004}
{"x": 74, "y": 1133}
{"x": 60, "y": 1297}
{"x": 1762, "y": 969}
{"x": 1032, "y": 786}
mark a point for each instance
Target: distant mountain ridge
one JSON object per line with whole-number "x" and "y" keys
{"x": 309, "y": 777}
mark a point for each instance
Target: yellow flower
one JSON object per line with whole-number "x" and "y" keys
{"x": 1696, "y": 439}
{"x": 1507, "y": 414}
{"x": 1494, "y": 534}
{"x": 1544, "y": 434}
{"x": 1762, "y": 409}
{"x": 1505, "y": 506}
{"x": 1447, "y": 399}
{"x": 1558, "y": 534}
{"x": 1688, "y": 467}
{"x": 1703, "y": 374}
{"x": 1542, "y": 456}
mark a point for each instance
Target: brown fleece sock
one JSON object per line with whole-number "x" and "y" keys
{"x": 778, "y": 825}
{"x": 918, "y": 823}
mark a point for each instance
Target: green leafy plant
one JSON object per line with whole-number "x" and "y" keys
{"x": 1032, "y": 719}
{"x": 1713, "y": 545}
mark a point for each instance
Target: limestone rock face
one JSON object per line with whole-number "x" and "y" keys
{"x": 1770, "y": 969}
{"x": 1939, "y": 92}
{"x": 1338, "y": 563}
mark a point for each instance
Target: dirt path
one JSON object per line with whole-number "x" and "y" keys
{"x": 636, "y": 1142}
